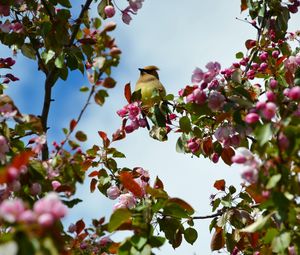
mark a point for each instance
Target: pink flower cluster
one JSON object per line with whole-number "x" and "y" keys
{"x": 292, "y": 63}
{"x": 133, "y": 112}
{"x": 126, "y": 198}
{"x": 38, "y": 143}
{"x": 251, "y": 163}
{"x": 45, "y": 211}
{"x": 265, "y": 109}
{"x": 15, "y": 27}
{"x": 213, "y": 69}
{"x": 193, "y": 145}
{"x": 134, "y": 6}
{"x": 227, "y": 135}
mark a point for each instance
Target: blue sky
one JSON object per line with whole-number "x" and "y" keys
{"x": 177, "y": 36}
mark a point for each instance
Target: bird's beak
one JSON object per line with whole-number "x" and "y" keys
{"x": 141, "y": 69}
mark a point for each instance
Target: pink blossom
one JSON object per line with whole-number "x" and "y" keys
{"x": 27, "y": 216}
{"x": 109, "y": 11}
{"x": 46, "y": 219}
{"x": 39, "y": 143}
{"x": 129, "y": 129}
{"x": 17, "y": 27}
{"x": 50, "y": 204}
{"x": 3, "y": 147}
{"x": 126, "y": 18}
{"x": 271, "y": 96}
{"x": 55, "y": 185}
{"x": 283, "y": 141}
{"x": 239, "y": 159}
{"x": 294, "y": 93}
{"x": 142, "y": 123}
{"x": 216, "y": 100}
{"x": 198, "y": 96}
{"x": 7, "y": 111}
{"x": 133, "y": 110}
{"x": 5, "y": 27}
{"x": 273, "y": 84}
{"x": 125, "y": 201}
{"x": 263, "y": 56}
{"x": 260, "y": 105}
{"x": 215, "y": 157}
{"x": 275, "y": 54}
{"x": 198, "y": 75}
{"x": 113, "y": 192}
{"x": 292, "y": 63}
{"x": 251, "y": 118}
{"x": 11, "y": 210}
{"x": 250, "y": 175}
{"x": 122, "y": 112}
{"x": 193, "y": 145}
{"x": 35, "y": 189}
{"x": 104, "y": 241}
{"x": 135, "y": 4}
{"x": 223, "y": 133}
{"x": 269, "y": 111}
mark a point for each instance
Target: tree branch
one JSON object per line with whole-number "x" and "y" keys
{"x": 79, "y": 20}
{"x": 219, "y": 213}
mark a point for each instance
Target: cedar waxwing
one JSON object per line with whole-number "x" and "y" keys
{"x": 147, "y": 83}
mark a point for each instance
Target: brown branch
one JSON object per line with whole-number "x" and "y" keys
{"x": 79, "y": 20}
{"x": 47, "y": 9}
{"x": 219, "y": 213}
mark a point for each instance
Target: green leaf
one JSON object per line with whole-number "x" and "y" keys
{"x": 239, "y": 55}
{"x": 59, "y": 61}
{"x": 273, "y": 181}
{"x": 159, "y": 133}
{"x": 263, "y": 133}
{"x": 138, "y": 241}
{"x": 84, "y": 89}
{"x": 175, "y": 210}
{"x": 146, "y": 250}
{"x": 65, "y": 3}
{"x": 270, "y": 235}
{"x": 28, "y": 51}
{"x": 101, "y": 7}
{"x": 185, "y": 124}
{"x": 281, "y": 242}
{"x": 156, "y": 241}
{"x": 190, "y": 235}
{"x": 257, "y": 225}
{"x": 100, "y": 97}
{"x": 118, "y": 217}
{"x": 159, "y": 117}
{"x": 48, "y": 56}
{"x": 81, "y": 136}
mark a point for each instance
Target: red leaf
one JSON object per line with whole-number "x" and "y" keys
{"x": 93, "y": 185}
{"x": 93, "y": 174}
{"x": 21, "y": 159}
{"x": 255, "y": 193}
{"x": 109, "y": 83}
{"x": 217, "y": 241}
{"x": 250, "y": 44}
{"x": 130, "y": 184}
{"x": 219, "y": 185}
{"x": 158, "y": 184}
{"x": 118, "y": 135}
{"x": 127, "y": 92}
{"x": 73, "y": 124}
{"x": 244, "y": 5}
{"x": 182, "y": 204}
{"x": 253, "y": 238}
{"x": 227, "y": 154}
{"x": 80, "y": 225}
{"x": 106, "y": 141}
{"x": 207, "y": 146}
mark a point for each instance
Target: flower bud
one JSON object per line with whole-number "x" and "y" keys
{"x": 109, "y": 11}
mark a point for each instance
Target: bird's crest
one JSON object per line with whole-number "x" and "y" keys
{"x": 150, "y": 68}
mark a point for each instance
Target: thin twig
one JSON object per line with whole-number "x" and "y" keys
{"x": 78, "y": 118}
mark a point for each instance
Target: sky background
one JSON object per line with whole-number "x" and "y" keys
{"x": 176, "y": 36}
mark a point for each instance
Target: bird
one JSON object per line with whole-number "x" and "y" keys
{"x": 148, "y": 83}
